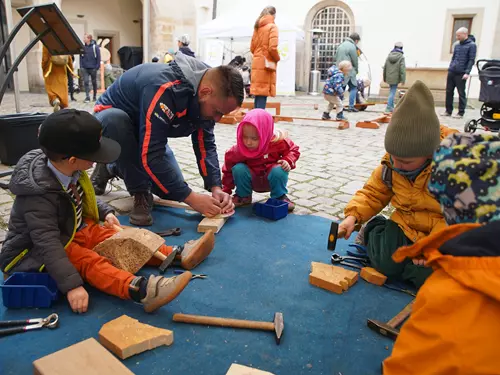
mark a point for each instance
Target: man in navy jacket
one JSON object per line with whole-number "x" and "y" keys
{"x": 151, "y": 103}
{"x": 90, "y": 62}
{"x": 464, "y": 54}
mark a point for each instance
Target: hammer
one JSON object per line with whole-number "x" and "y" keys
{"x": 335, "y": 234}
{"x": 277, "y": 326}
{"x": 390, "y": 329}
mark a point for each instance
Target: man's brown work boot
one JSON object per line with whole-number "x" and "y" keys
{"x": 141, "y": 213}
{"x": 196, "y": 251}
{"x": 162, "y": 290}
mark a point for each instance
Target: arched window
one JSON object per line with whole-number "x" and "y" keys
{"x": 336, "y": 24}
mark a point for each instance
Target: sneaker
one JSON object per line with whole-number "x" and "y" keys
{"x": 459, "y": 116}
{"x": 388, "y": 111}
{"x": 94, "y": 99}
{"x": 196, "y": 251}
{"x": 326, "y": 116}
{"x": 141, "y": 213}
{"x": 446, "y": 114}
{"x": 341, "y": 117}
{"x": 162, "y": 290}
{"x": 240, "y": 202}
{"x": 73, "y": 99}
{"x": 100, "y": 177}
{"x": 87, "y": 100}
{"x": 291, "y": 205}
{"x": 56, "y": 104}
{"x": 351, "y": 109}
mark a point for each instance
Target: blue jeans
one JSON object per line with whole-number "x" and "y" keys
{"x": 118, "y": 125}
{"x": 242, "y": 176}
{"x": 392, "y": 94}
{"x": 353, "y": 92}
{"x": 260, "y": 102}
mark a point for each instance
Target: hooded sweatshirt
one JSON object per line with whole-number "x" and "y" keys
{"x": 395, "y": 67}
{"x": 162, "y": 102}
{"x": 91, "y": 56}
{"x": 273, "y": 146}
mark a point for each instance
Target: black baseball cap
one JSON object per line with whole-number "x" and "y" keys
{"x": 71, "y": 132}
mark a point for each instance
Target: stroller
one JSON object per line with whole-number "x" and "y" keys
{"x": 489, "y": 75}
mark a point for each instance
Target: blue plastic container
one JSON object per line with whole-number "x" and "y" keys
{"x": 273, "y": 209}
{"x": 25, "y": 289}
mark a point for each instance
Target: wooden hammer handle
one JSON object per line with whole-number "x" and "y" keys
{"x": 402, "y": 315}
{"x": 157, "y": 254}
{"x": 223, "y": 322}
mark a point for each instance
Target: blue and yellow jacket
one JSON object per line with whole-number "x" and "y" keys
{"x": 334, "y": 84}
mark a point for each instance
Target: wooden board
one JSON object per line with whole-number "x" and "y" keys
{"x": 126, "y": 337}
{"x": 214, "y": 225}
{"x": 283, "y": 118}
{"x": 237, "y": 369}
{"x": 130, "y": 249}
{"x": 85, "y": 358}
{"x": 174, "y": 204}
{"x": 333, "y": 278}
{"x": 367, "y": 125}
{"x": 275, "y": 105}
{"x": 373, "y": 276}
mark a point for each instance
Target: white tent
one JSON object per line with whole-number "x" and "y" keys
{"x": 229, "y": 28}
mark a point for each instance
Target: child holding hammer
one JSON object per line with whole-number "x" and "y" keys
{"x": 454, "y": 325}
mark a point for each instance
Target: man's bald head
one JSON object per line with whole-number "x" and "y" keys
{"x": 462, "y": 34}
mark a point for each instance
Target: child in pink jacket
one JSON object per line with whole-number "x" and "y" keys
{"x": 260, "y": 160}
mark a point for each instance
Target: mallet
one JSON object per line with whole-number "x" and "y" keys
{"x": 277, "y": 326}
{"x": 390, "y": 329}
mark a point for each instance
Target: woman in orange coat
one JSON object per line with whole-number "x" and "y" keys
{"x": 264, "y": 48}
{"x": 54, "y": 70}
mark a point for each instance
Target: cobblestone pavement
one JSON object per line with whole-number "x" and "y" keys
{"x": 333, "y": 165}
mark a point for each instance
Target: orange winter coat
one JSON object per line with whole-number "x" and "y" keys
{"x": 454, "y": 326}
{"x": 417, "y": 212}
{"x": 264, "y": 45}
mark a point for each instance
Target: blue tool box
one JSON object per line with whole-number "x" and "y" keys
{"x": 273, "y": 209}
{"x": 25, "y": 289}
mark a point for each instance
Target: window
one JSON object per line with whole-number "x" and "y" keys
{"x": 336, "y": 24}
{"x": 459, "y": 22}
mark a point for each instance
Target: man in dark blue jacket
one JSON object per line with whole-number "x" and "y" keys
{"x": 183, "y": 44}
{"x": 151, "y": 103}
{"x": 464, "y": 54}
{"x": 90, "y": 62}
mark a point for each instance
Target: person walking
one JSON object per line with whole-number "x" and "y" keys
{"x": 347, "y": 52}
{"x": 462, "y": 61}
{"x": 264, "y": 48}
{"x": 90, "y": 62}
{"x": 394, "y": 73}
{"x": 55, "y": 69}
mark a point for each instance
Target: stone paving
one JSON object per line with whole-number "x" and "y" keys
{"x": 333, "y": 165}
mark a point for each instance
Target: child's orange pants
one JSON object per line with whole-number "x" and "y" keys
{"x": 98, "y": 270}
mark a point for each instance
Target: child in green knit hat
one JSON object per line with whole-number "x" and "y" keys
{"x": 401, "y": 179}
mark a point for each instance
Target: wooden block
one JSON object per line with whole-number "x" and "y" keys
{"x": 344, "y": 125}
{"x": 173, "y": 204}
{"x": 130, "y": 249}
{"x": 332, "y": 278}
{"x": 384, "y": 119}
{"x": 84, "y": 358}
{"x": 228, "y": 120}
{"x": 367, "y": 125}
{"x": 214, "y": 225}
{"x": 373, "y": 276}
{"x": 283, "y": 118}
{"x": 126, "y": 337}
{"x": 236, "y": 369}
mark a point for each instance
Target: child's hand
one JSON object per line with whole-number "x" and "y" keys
{"x": 78, "y": 299}
{"x": 284, "y": 164}
{"x": 111, "y": 220}
{"x": 347, "y": 226}
{"x": 419, "y": 262}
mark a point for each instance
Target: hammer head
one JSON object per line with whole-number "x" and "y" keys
{"x": 168, "y": 261}
{"x": 332, "y": 237}
{"x": 383, "y": 328}
{"x": 279, "y": 326}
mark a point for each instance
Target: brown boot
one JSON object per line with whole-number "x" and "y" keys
{"x": 161, "y": 290}
{"x": 196, "y": 251}
{"x": 141, "y": 213}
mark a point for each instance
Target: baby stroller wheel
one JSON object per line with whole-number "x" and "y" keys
{"x": 471, "y": 126}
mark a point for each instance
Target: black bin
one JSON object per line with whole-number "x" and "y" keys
{"x": 18, "y": 135}
{"x": 130, "y": 57}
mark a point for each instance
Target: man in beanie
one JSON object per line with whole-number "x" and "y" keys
{"x": 454, "y": 325}
{"x": 413, "y": 135}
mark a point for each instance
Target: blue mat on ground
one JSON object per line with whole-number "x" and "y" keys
{"x": 258, "y": 267}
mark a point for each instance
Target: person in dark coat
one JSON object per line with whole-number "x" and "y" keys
{"x": 394, "y": 73}
{"x": 90, "y": 62}
{"x": 462, "y": 61}
{"x": 183, "y": 43}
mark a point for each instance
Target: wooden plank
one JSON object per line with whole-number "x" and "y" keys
{"x": 173, "y": 204}
{"x": 126, "y": 336}
{"x": 228, "y": 120}
{"x": 344, "y": 125}
{"x": 367, "y": 125}
{"x": 333, "y": 278}
{"x": 84, "y": 358}
{"x": 282, "y": 118}
{"x": 214, "y": 225}
{"x": 275, "y": 105}
{"x": 237, "y": 369}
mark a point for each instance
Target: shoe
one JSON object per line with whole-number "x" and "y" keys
{"x": 240, "y": 202}
{"x": 87, "y": 100}
{"x": 341, "y": 117}
{"x": 351, "y": 109}
{"x": 56, "y": 104}
{"x": 196, "y": 251}
{"x": 73, "y": 98}
{"x": 291, "y": 205}
{"x": 162, "y": 290}
{"x": 141, "y": 213}
{"x": 446, "y": 114}
{"x": 94, "y": 99}
{"x": 100, "y": 177}
{"x": 459, "y": 116}
{"x": 326, "y": 116}
{"x": 388, "y": 111}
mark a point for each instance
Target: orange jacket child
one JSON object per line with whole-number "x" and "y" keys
{"x": 454, "y": 326}
{"x": 402, "y": 178}
{"x": 260, "y": 160}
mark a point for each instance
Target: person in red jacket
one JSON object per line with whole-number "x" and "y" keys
{"x": 260, "y": 160}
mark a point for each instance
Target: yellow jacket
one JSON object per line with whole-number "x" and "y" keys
{"x": 416, "y": 212}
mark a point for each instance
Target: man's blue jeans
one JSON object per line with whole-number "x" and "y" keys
{"x": 277, "y": 179}
{"x": 353, "y": 91}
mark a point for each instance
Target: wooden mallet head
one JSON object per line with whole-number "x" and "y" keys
{"x": 279, "y": 326}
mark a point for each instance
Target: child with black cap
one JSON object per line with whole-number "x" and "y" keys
{"x": 54, "y": 223}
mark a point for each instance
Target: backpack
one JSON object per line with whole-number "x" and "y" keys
{"x": 60, "y": 60}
